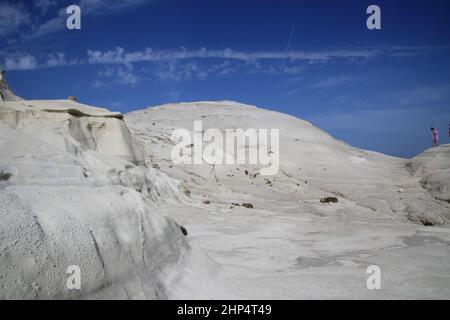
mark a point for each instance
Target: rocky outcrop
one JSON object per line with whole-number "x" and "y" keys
{"x": 73, "y": 193}
{"x": 313, "y": 165}
{"x": 432, "y": 167}
{"x": 73, "y": 127}
{"x": 69, "y": 125}
{"x": 5, "y": 92}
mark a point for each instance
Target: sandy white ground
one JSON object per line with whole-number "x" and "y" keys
{"x": 81, "y": 185}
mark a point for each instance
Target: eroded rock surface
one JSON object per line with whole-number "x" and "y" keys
{"x": 72, "y": 192}
{"x": 433, "y": 169}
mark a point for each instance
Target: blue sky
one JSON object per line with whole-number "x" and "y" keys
{"x": 376, "y": 89}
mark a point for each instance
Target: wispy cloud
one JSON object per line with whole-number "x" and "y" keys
{"x": 12, "y": 17}
{"x": 121, "y": 56}
{"x": 174, "y": 71}
{"x": 178, "y": 71}
{"x": 331, "y": 82}
{"x": 182, "y": 64}
{"x": 291, "y": 34}
{"x": 50, "y": 26}
{"x": 116, "y": 75}
{"x": 20, "y": 61}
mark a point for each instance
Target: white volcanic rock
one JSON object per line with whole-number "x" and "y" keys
{"x": 312, "y": 164}
{"x": 291, "y": 246}
{"x": 72, "y": 126}
{"x": 5, "y": 92}
{"x": 432, "y": 166}
{"x": 81, "y": 186}
{"x": 68, "y": 196}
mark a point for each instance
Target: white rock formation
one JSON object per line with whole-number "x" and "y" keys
{"x": 5, "y": 92}
{"x": 291, "y": 246}
{"x": 432, "y": 166}
{"x": 73, "y": 127}
{"x": 81, "y": 186}
{"x": 312, "y": 164}
{"x": 71, "y": 193}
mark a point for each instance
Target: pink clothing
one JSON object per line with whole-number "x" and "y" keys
{"x": 435, "y": 135}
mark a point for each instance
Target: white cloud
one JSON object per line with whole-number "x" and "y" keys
{"x": 58, "y": 59}
{"x": 255, "y": 67}
{"x": 88, "y": 8}
{"x": 197, "y": 63}
{"x": 292, "y": 69}
{"x": 331, "y": 82}
{"x": 127, "y": 77}
{"x": 120, "y": 55}
{"x": 175, "y": 71}
{"x": 184, "y": 65}
{"x": 12, "y": 17}
{"x": 116, "y": 75}
{"x": 50, "y": 26}
{"x": 21, "y": 62}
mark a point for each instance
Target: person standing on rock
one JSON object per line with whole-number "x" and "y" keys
{"x": 435, "y": 137}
